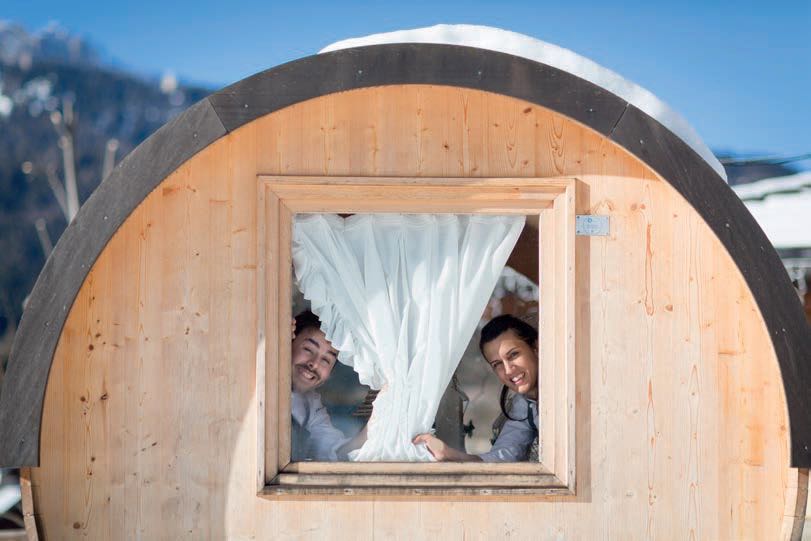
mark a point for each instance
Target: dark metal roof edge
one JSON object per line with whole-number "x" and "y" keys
{"x": 418, "y": 63}
{"x": 380, "y": 65}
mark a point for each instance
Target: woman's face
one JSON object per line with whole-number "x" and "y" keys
{"x": 514, "y": 362}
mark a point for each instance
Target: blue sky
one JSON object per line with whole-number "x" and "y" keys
{"x": 740, "y": 72}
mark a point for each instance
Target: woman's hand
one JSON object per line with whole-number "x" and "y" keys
{"x": 442, "y": 451}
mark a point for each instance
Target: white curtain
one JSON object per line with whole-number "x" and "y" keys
{"x": 399, "y": 296}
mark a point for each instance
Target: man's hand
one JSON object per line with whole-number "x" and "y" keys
{"x": 442, "y": 451}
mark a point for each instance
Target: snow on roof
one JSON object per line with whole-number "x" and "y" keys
{"x": 767, "y": 187}
{"x": 782, "y": 207}
{"x": 495, "y": 39}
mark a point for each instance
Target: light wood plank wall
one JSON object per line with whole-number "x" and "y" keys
{"x": 150, "y": 416}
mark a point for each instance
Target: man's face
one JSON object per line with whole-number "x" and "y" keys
{"x": 313, "y": 358}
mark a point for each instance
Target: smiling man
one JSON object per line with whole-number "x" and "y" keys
{"x": 313, "y": 357}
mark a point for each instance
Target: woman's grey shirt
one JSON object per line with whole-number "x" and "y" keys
{"x": 516, "y": 437}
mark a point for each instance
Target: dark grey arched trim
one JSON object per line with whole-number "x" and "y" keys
{"x": 24, "y": 386}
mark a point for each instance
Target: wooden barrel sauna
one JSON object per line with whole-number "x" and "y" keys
{"x": 131, "y": 395}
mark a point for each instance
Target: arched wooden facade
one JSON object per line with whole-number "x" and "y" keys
{"x": 131, "y": 388}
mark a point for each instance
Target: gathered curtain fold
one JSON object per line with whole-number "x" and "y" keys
{"x": 399, "y": 296}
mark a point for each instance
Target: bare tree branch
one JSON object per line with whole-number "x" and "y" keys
{"x": 58, "y": 191}
{"x": 65, "y": 127}
{"x": 109, "y": 158}
{"x": 44, "y": 238}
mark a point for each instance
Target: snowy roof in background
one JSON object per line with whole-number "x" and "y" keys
{"x": 782, "y": 207}
{"x": 495, "y": 39}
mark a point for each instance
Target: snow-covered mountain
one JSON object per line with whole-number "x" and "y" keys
{"x": 50, "y": 44}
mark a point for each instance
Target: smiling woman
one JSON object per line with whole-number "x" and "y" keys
{"x": 510, "y": 347}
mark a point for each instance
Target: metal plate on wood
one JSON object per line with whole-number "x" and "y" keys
{"x": 591, "y": 225}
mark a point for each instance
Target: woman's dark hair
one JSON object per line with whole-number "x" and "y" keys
{"x": 495, "y": 328}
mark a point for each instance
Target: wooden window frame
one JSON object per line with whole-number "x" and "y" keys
{"x": 552, "y": 199}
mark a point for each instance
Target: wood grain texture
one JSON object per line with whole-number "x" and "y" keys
{"x": 67, "y": 267}
{"x": 152, "y": 433}
{"x": 27, "y": 496}
{"x": 408, "y": 64}
{"x": 728, "y": 218}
